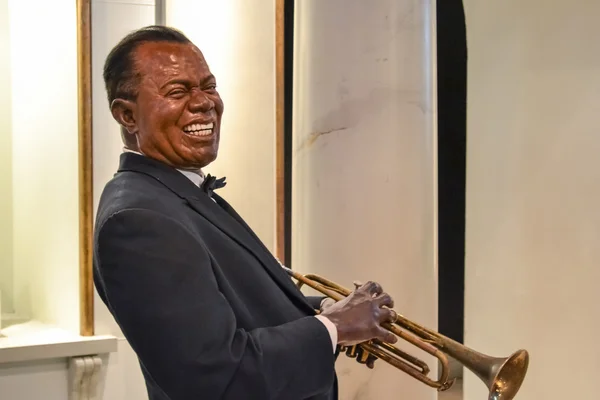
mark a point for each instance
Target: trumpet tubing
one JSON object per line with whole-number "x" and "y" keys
{"x": 502, "y": 376}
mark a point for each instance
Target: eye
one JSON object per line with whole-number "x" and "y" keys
{"x": 211, "y": 88}
{"x": 177, "y": 93}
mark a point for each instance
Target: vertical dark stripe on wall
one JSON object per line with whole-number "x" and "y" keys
{"x": 289, "y": 98}
{"x": 452, "y": 135}
{"x": 160, "y": 12}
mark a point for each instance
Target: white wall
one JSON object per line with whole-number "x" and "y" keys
{"x": 43, "y": 380}
{"x": 364, "y": 163}
{"x": 237, "y": 38}
{"x": 533, "y": 191}
{"x": 43, "y": 96}
{"x": 6, "y": 201}
{"x": 45, "y": 160}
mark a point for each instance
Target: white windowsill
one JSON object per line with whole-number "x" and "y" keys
{"x": 35, "y": 341}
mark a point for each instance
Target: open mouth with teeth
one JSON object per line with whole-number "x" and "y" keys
{"x": 199, "y": 130}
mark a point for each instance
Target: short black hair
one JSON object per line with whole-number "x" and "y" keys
{"x": 120, "y": 77}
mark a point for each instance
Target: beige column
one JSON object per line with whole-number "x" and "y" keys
{"x": 364, "y": 162}
{"x": 533, "y": 189}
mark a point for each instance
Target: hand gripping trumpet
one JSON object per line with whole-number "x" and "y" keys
{"x": 502, "y": 376}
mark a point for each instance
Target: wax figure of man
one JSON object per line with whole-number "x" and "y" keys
{"x": 208, "y": 310}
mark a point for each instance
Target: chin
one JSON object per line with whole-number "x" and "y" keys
{"x": 206, "y": 159}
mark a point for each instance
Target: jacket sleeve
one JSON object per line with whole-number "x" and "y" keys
{"x": 158, "y": 283}
{"x": 315, "y": 301}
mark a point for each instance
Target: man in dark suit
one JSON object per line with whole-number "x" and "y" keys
{"x": 208, "y": 310}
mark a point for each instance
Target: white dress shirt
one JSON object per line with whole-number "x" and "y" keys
{"x": 198, "y": 178}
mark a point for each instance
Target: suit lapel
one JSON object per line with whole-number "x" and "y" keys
{"x": 230, "y": 210}
{"x": 221, "y": 215}
{"x": 271, "y": 263}
{"x": 220, "y": 219}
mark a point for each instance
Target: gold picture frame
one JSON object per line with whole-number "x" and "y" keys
{"x": 86, "y": 200}
{"x": 280, "y": 137}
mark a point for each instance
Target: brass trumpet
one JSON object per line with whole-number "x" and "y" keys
{"x": 502, "y": 376}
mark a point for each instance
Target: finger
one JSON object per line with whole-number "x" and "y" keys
{"x": 358, "y": 284}
{"x": 394, "y": 317}
{"x": 371, "y": 361}
{"x": 388, "y": 315}
{"x": 363, "y": 356}
{"x": 373, "y": 288}
{"x": 386, "y": 336}
{"x": 327, "y": 302}
{"x": 352, "y": 351}
{"x": 385, "y": 299}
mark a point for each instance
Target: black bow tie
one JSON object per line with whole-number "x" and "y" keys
{"x": 211, "y": 183}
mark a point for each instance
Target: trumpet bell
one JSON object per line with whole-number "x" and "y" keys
{"x": 508, "y": 376}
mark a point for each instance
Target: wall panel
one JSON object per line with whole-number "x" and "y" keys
{"x": 533, "y": 170}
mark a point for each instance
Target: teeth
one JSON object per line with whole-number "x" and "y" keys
{"x": 199, "y": 129}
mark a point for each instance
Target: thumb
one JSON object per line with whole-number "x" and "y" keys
{"x": 358, "y": 284}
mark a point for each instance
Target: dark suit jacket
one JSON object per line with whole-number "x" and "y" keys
{"x": 205, "y": 306}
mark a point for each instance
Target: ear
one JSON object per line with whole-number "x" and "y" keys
{"x": 123, "y": 112}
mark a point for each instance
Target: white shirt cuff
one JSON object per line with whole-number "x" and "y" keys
{"x": 331, "y": 328}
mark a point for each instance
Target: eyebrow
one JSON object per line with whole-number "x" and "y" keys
{"x": 187, "y": 82}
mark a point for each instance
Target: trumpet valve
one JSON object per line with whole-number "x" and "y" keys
{"x": 352, "y": 351}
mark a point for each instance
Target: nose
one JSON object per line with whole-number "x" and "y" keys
{"x": 200, "y": 102}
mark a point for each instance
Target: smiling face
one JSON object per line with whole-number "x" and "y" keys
{"x": 176, "y": 117}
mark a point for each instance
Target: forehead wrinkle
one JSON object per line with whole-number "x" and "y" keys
{"x": 160, "y": 74}
{"x": 158, "y": 65}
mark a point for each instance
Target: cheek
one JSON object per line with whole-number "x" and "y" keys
{"x": 163, "y": 118}
{"x": 158, "y": 130}
{"x": 219, "y": 106}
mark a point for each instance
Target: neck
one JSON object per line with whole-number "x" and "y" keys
{"x": 190, "y": 170}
